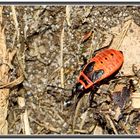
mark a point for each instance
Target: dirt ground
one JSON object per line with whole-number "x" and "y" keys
{"x": 50, "y": 52}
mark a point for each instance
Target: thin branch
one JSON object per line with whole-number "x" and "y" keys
{"x": 61, "y": 57}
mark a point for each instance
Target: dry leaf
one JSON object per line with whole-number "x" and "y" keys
{"x": 138, "y": 129}
{"x": 98, "y": 130}
{"x": 121, "y": 97}
{"x": 119, "y": 34}
{"x": 86, "y": 36}
{"x": 135, "y": 100}
{"x": 108, "y": 40}
{"x": 128, "y": 41}
{"x": 117, "y": 113}
{"x": 131, "y": 49}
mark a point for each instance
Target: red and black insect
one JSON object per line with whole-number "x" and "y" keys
{"x": 100, "y": 67}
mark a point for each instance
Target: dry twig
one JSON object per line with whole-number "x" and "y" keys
{"x": 24, "y": 116}
{"x": 61, "y": 57}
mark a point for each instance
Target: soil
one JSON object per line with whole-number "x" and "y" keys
{"x": 40, "y": 51}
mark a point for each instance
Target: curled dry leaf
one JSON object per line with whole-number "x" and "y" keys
{"x": 86, "y": 36}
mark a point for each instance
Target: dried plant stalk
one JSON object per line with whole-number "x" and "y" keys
{"x": 24, "y": 116}
{"x": 68, "y": 10}
{"x": 4, "y": 79}
{"x": 6, "y": 58}
{"x": 15, "y": 21}
{"x": 61, "y": 57}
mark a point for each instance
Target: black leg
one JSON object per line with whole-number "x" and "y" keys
{"x": 91, "y": 95}
{"x": 68, "y": 102}
{"x": 78, "y": 97}
{"x": 76, "y": 91}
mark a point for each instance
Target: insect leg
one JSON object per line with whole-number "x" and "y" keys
{"x": 78, "y": 97}
{"x": 91, "y": 95}
{"x": 76, "y": 90}
{"x": 68, "y": 102}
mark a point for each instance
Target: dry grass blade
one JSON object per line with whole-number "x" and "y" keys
{"x": 68, "y": 9}
{"x": 14, "y": 122}
{"x": 125, "y": 128}
{"x": 15, "y": 21}
{"x": 61, "y": 58}
{"x": 111, "y": 123}
{"x": 6, "y": 57}
{"x": 3, "y": 92}
{"x": 47, "y": 126}
{"x": 76, "y": 114}
{"x": 83, "y": 119}
{"x": 4, "y": 70}
{"x": 24, "y": 116}
{"x": 81, "y": 131}
{"x": 13, "y": 83}
{"x": 57, "y": 114}
{"x": 1, "y": 8}
{"x": 92, "y": 128}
